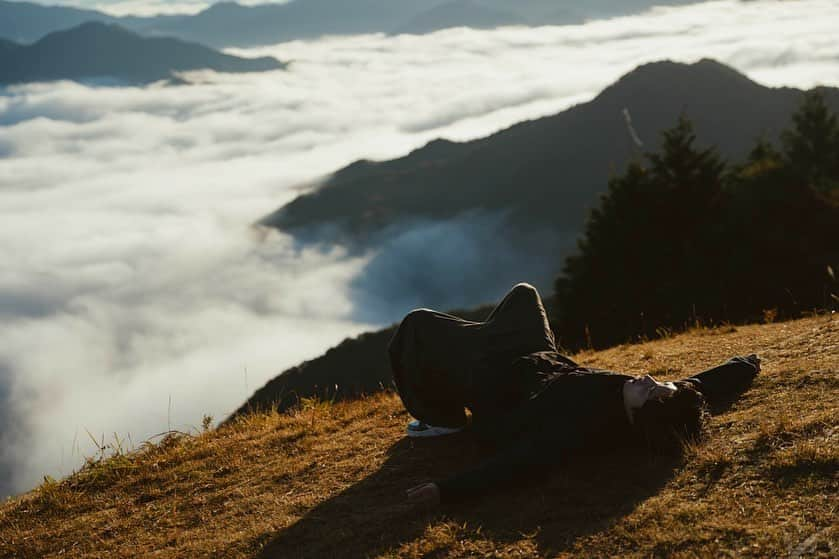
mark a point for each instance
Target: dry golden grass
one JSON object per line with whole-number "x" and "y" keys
{"x": 328, "y": 480}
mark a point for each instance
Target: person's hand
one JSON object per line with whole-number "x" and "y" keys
{"x": 426, "y": 494}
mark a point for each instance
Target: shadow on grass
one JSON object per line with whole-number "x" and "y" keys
{"x": 372, "y": 517}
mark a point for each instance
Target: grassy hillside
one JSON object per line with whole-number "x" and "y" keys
{"x": 328, "y": 480}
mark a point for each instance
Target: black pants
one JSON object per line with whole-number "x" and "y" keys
{"x": 441, "y": 361}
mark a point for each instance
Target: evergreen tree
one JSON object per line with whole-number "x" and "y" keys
{"x": 683, "y": 238}
{"x": 643, "y": 260}
{"x": 811, "y": 146}
{"x": 784, "y": 220}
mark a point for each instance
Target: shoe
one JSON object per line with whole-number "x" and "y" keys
{"x": 417, "y": 428}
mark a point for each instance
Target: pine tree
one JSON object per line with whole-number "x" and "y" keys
{"x": 642, "y": 262}
{"x": 811, "y": 146}
{"x": 783, "y": 219}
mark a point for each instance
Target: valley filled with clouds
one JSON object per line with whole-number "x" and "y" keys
{"x": 135, "y": 297}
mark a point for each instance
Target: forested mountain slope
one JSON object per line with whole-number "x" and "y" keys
{"x": 547, "y": 172}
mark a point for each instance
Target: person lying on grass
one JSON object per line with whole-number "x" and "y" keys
{"x": 531, "y": 406}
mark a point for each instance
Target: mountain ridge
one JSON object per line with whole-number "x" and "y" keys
{"x": 459, "y": 13}
{"x": 228, "y": 24}
{"x": 96, "y": 50}
{"x": 551, "y": 169}
{"x": 27, "y": 22}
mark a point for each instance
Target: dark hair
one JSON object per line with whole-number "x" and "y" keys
{"x": 665, "y": 425}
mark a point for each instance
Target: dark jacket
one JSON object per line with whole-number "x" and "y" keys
{"x": 551, "y": 408}
{"x": 571, "y": 410}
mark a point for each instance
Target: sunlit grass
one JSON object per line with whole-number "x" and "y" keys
{"x": 328, "y": 478}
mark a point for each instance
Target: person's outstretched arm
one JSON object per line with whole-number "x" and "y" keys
{"x": 725, "y": 382}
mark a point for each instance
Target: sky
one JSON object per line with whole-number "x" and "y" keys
{"x": 135, "y": 297}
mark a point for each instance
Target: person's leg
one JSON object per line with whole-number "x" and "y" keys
{"x": 517, "y": 327}
{"x": 442, "y": 363}
{"x": 427, "y": 358}
{"x": 524, "y": 301}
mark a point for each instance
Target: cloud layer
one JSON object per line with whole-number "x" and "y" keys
{"x": 131, "y": 278}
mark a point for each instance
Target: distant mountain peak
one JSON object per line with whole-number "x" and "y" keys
{"x": 677, "y": 76}
{"x": 96, "y": 49}
{"x": 668, "y": 68}
{"x": 101, "y": 27}
{"x": 220, "y": 8}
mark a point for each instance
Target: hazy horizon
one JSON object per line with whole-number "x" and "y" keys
{"x": 146, "y": 7}
{"x": 135, "y": 297}
{"x": 165, "y": 7}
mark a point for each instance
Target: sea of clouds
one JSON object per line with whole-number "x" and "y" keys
{"x": 134, "y": 295}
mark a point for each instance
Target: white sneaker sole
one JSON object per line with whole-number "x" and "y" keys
{"x": 431, "y": 431}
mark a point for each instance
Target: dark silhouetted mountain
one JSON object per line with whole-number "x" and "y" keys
{"x": 25, "y": 22}
{"x": 459, "y": 13}
{"x": 224, "y": 23}
{"x": 8, "y": 46}
{"x": 546, "y": 172}
{"x": 98, "y": 50}
{"x": 230, "y": 24}
{"x": 562, "y": 12}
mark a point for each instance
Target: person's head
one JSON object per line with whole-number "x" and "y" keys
{"x": 665, "y": 414}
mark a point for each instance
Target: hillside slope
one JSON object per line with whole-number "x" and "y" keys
{"x": 328, "y": 480}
